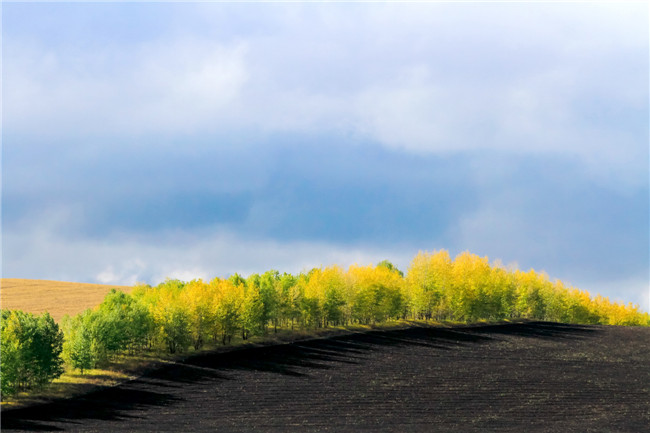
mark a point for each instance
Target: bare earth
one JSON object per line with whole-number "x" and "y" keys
{"x": 531, "y": 377}
{"x": 56, "y": 297}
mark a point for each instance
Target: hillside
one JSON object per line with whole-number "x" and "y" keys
{"x": 56, "y": 297}
{"x": 533, "y": 377}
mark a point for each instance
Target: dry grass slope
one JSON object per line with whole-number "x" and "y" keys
{"x": 56, "y": 297}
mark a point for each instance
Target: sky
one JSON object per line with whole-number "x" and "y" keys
{"x": 144, "y": 141}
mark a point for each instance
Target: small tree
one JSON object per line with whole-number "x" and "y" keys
{"x": 31, "y": 351}
{"x": 391, "y": 267}
{"x": 252, "y": 313}
{"x": 176, "y": 330}
{"x": 127, "y": 322}
{"x": 228, "y": 309}
{"x": 78, "y": 346}
{"x": 332, "y": 305}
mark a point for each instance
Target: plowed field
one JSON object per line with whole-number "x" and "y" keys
{"x": 533, "y": 377}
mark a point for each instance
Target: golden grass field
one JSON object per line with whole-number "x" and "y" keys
{"x": 56, "y": 297}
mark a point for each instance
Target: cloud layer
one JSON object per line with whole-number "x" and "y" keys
{"x": 151, "y": 140}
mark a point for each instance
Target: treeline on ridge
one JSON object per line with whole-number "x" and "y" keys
{"x": 175, "y": 316}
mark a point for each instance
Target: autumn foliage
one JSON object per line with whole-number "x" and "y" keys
{"x": 175, "y": 316}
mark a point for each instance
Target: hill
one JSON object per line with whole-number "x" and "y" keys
{"x": 533, "y": 377}
{"x": 56, "y": 297}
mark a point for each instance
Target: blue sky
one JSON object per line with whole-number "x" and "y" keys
{"x": 150, "y": 140}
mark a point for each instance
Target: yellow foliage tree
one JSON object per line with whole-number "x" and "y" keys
{"x": 427, "y": 285}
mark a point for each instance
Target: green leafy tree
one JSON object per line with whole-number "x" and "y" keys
{"x": 237, "y": 280}
{"x": 176, "y": 330}
{"x": 332, "y": 307}
{"x": 31, "y": 351}
{"x": 391, "y": 267}
{"x": 270, "y": 299}
{"x": 284, "y": 297}
{"x": 252, "y": 313}
{"x": 127, "y": 322}
{"x": 78, "y": 348}
{"x": 120, "y": 322}
{"x": 170, "y": 316}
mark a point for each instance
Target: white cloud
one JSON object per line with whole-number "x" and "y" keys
{"x": 122, "y": 272}
{"x": 184, "y": 85}
{"x": 410, "y": 113}
{"x": 172, "y": 254}
{"x": 108, "y": 276}
{"x": 634, "y": 289}
{"x": 420, "y": 77}
{"x": 448, "y": 78}
{"x": 423, "y": 78}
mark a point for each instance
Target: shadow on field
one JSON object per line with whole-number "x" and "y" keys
{"x": 107, "y": 404}
{"x": 538, "y": 330}
{"x": 169, "y": 384}
{"x": 120, "y": 403}
{"x": 296, "y": 359}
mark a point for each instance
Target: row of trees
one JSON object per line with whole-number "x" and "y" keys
{"x": 469, "y": 289}
{"x": 174, "y": 315}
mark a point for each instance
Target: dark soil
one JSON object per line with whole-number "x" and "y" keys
{"x": 533, "y": 377}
